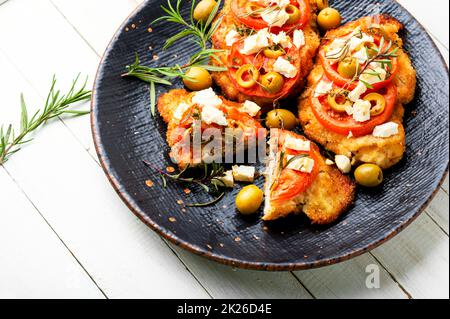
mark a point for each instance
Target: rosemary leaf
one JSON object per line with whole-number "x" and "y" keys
{"x": 152, "y": 98}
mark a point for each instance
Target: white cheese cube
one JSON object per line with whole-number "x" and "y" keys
{"x": 256, "y": 42}
{"x": 329, "y": 162}
{"x": 299, "y": 38}
{"x": 343, "y": 163}
{"x": 297, "y": 144}
{"x": 275, "y": 17}
{"x": 206, "y": 98}
{"x": 212, "y": 115}
{"x": 374, "y": 75}
{"x": 282, "y": 39}
{"x": 251, "y": 108}
{"x": 361, "y": 110}
{"x": 322, "y": 88}
{"x": 357, "y": 92}
{"x": 232, "y": 37}
{"x": 301, "y": 164}
{"x": 180, "y": 110}
{"x": 284, "y": 67}
{"x": 386, "y": 130}
{"x": 350, "y": 134}
{"x": 244, "y": 173}
{"x": 356, "y": 40}
{"x": 361, "y": 55}
{"x": 227, "y": 179}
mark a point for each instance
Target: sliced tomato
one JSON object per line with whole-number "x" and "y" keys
{"x": 291, "y": 182}
{"x": 263, "y": 64}
{"x": 257, "y": 23}
{"x": 342, "y": 123}
{"x": 331, "y": 70}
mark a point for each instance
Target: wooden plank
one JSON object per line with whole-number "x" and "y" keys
{"x": 80, "y": 14}
{"x": 418, "y": 259}
{"x": 347, "y": 280}
{"x": 438, "y": 210}
{"x": 226, "y": 282}
{"x": 33, "y": 261}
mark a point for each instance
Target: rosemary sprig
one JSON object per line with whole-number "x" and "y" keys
{"x": 209, "y": 180}
{"x": 201, "y": 32}
{"x": 56, "y": 104}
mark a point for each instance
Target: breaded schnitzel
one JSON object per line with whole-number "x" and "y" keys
{"x": 185, "y": 112}
{"x": 298, "y": 180}
{"x": 384, "y": 151}
{"x": 302, "y": 57}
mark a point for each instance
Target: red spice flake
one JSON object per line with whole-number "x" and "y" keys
{"x": 180, "y": 202}
{"x": 127, "y": 29}
{"x": 237, "y": 239}
{"x": 133, "y": 26}
{"x": 149, "y": 183}
{"x": 172, "y": 219}
{"x": 221, "y": 245}
{"x": 170, "y": 169}
{"x": 187, "y": 191}
{"x": 184, "y": 210}
{"x": 209, "y": 246}
{"x": 155, "y": 57}
{"x": 150, "y": 30}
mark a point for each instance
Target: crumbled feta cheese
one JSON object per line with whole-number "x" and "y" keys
{"x": 361, "y": 55}
{"x": 275, "y": 17}
{"x": 361, "y": 110}
{"x": 227, "y": 179}
{"x": 211, "y": 114}
{"x": 343, "y": 163}
{"x": 280, "y": 3}
{"x": 299, "y": 38}
{"x": 329, "y": 162}
{"x": 297, "y": 144}
{"x": 207, "y": 98}
{"x": 322, "y": 88}
{"x": 285, "y": 68}
{"x": 373, "y": 75}
{"x": 349, "y": 109}
{"x": 232, "y": 37}
{"x": 356, "y": 93}
{"x": 302, "y": 164}
{"x": 350, "y": 134}
{"x": 386, "y": 130}
{"x": 282, "y": 39}
{"x": 244, "y": 173}
{"x": 355, "y": 40}
{"x": 251, "y": 108}
{"x": 180, "y": 110}
{"x": 256, "y": 42}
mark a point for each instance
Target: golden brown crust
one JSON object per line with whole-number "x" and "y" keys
{"x": 384, "y": 152}
{"x": 307, "y": 54}
{"x": 329, "y": 196}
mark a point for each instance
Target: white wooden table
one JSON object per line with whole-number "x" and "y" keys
{"x": 65, "y": 233}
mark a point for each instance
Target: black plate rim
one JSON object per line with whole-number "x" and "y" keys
{"x": 266, "y": 266}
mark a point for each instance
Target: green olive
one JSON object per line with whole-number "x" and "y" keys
{"x": 369, "y": 175}
{"x": 328, "y": 19}
{"x": 378, "y": 103}
{"x": 273, "y": 53}
{"x": 280, "y": 118}
{"x": 338, "y": 102}
{"x": 294, "y": 14}
{"x": 247, "y": 76}
{"x": 253, "y": 9}
{"x": 272, "y": 82}
{"x": 249, "y": 200}
{"x": 197, "y": 79}
{"x": 348, "y": 67}
{"x": 203, "y": 10}
{"x": 322, "y": 4}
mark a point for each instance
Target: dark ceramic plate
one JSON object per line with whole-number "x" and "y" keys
{"x": 125, "y": 134}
